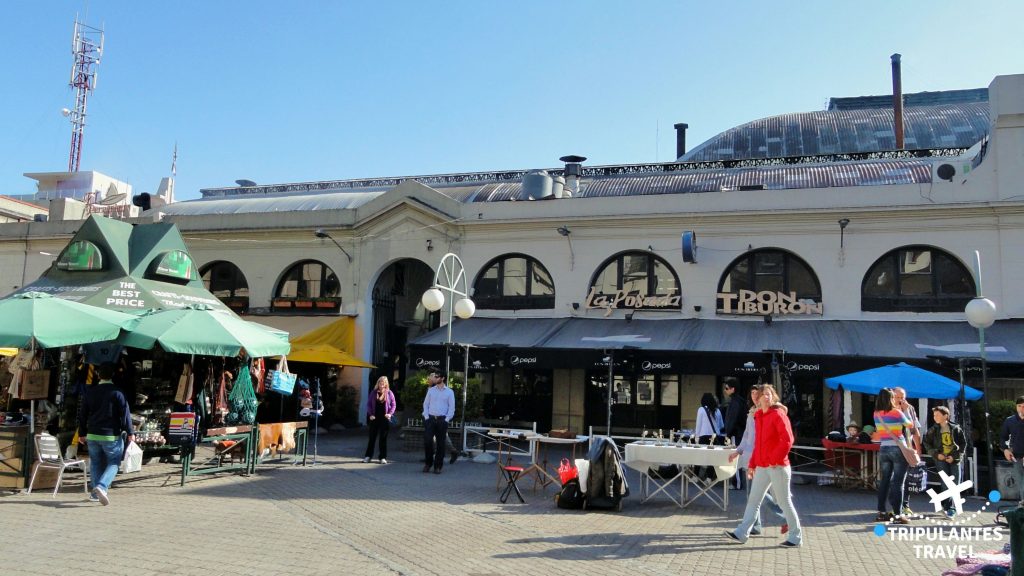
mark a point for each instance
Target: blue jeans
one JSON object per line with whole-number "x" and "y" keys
{"x": 104, "y": 460}
{"x": 893, "y": 468}
{"x": 953, "y": 469}
{"x": 776, "y": 477}
{"x": 769, "y": 501}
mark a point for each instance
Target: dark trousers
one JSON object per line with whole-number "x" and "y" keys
{"x": 953, "y": 469}
{"x": 379, "y": 428}
{"x": 434, "y": 432}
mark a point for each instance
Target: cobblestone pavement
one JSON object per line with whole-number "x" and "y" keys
{"x": 346, "y": 517}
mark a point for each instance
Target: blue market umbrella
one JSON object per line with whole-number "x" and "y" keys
{"x": 918, "y": 383}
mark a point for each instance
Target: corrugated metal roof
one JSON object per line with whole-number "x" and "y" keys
{"x": 872, "y": 173}
{"x": 774, "y": 177}
{"x": 272, "y": 203}
{"x": 957, "y": 125}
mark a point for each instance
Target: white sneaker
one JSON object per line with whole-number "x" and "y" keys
{"x": 366, "y": 460}
{"x": 101, "y": 495}
{"x": 383, "y": 460}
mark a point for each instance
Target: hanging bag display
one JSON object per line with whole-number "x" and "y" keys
{"x": 258, "y": 373}
{"x": 282, "y": 381}
{"x": 242, "y": 401}
{"x": 184, "y": 393}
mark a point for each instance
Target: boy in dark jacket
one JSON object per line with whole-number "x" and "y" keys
{"x": 945, "y": 443}
{"x": 104, "y": 423}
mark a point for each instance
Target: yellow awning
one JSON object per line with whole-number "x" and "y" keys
{"x": 8, "y": 351}
{"x": 328, "y": 344}
{"x": 325, "y": 354}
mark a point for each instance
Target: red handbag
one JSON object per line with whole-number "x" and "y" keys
{"x": 567, "y": 471}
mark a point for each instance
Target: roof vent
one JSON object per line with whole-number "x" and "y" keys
{"x": 537, "y": 185}
{"x": 573, "y": 171}
{"x": 558, "y": 187}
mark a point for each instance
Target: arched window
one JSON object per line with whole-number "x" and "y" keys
{"x": 917, "y": 279}
{"x": 776, "y": 272}
{"x": 308, "y": 284}
{"x": 514, "y": 282}
{"x": 642, "y": 279}
{"x": 225, "y": 281}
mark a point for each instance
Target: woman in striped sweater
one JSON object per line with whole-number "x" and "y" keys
{"x": 890, "y": 423}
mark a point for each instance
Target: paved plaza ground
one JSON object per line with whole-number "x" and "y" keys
{"x": 346, "y": 517}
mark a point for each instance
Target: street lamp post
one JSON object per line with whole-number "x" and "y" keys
{"x": 611, "y": 382}
{"x": 981, "y": 313}
{"x": 450, "y": 278}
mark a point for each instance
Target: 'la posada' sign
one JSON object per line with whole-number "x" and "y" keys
{"x": 764, "y": 303}
{"x": 631, "y": 300}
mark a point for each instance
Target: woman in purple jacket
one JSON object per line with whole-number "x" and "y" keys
{"x": 380, "y": 407}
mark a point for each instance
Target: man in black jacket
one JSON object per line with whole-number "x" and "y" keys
{"x": 105, "y": 424}
{"x": 1011, "y": 437}
{"x": 945, "y": 443}
{"x": 735, "y": 418}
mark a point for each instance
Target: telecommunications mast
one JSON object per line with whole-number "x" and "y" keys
{"x": 86, "y": 46}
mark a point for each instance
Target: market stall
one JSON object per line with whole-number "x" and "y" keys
{"x": 111, "y": 266}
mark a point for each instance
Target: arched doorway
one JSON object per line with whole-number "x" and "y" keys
{"x": 398, "y": 317}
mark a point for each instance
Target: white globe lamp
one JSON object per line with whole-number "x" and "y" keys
{"x": 465, "y": 308}
{"x": 981, "y": 312}
{"x": 433, "y": 299}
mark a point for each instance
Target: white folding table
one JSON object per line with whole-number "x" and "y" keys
{"x": 642, "y": 455}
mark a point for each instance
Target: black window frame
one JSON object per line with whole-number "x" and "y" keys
{"x": 500, "y": 301}
{"x": 233, "y": 300}
{"x": 788, "y": 256}
{"x": 652, "y": 284}
{"x": 325, "y": 272}
{"x": 937, "y": 301}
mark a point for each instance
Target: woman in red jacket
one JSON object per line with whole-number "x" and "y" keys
{"x": 769, "y": 467}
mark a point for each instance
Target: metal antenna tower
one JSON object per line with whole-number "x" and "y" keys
{"x": 86, "y": 46}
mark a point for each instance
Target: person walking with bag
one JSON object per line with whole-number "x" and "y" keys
{"x": 104, "y": 425}
{"x": 945, "y": 442}
{"x": 438, "y": 411}
{"x": 912, "y": 437}
{"x": 890, "y": 423}
{"x": 769, "y": 468}
{"x": 380, "y": 407}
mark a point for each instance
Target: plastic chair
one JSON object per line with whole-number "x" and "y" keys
{"x": 48, "y": 456}
{"x": 511, "y": 474}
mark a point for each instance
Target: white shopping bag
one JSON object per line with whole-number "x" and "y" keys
{"x": 132, "y": 461}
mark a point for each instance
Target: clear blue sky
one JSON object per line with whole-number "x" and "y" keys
{"x": 295, "y": 91}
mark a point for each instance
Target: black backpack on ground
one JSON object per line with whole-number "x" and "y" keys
{"x": 570, "y": 497}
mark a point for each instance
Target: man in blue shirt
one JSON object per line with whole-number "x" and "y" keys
{"x": 438, "y": 411}
{"x": 1011, "y": 437}
{"x": 104, "y": 423}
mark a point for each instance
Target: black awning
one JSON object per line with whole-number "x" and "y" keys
{"x": 837, "y": 344}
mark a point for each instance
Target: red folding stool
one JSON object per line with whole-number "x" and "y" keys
{"x": 511, "y": 474}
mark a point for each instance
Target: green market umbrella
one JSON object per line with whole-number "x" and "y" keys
{"x": 198, "y": 329}
{"x": 37, "y": 320}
